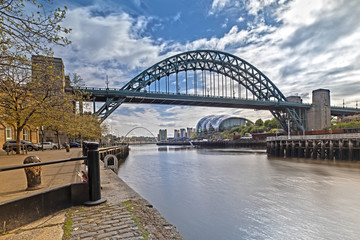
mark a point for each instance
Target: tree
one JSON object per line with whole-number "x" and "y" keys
{"x": 23, "y": 96}
{"x": 57, "y": 118}
{"x": 271, "y": 124}
{"x": 23, "y": 33}
{"x": 64, "y": 117}
{"x": 259, "y": 122}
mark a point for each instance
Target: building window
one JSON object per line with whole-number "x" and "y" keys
{"x": 8, "y": 133}
{"x": 26, "y": 134}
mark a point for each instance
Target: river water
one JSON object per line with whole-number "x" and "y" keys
{"x": 229, "y": 194}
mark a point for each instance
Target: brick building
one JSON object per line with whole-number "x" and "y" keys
{"x": 33, "y": 133}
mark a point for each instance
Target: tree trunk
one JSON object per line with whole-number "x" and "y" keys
{"x": 58, "y": 139}
{"x": 18, "y": 143}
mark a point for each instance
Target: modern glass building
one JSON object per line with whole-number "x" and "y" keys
{"x": 218, "y": 123}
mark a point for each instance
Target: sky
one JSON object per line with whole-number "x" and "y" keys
{"x": 300, "y": 45}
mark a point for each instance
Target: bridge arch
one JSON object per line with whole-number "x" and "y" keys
{"x": 240, "y": 72}
{"x": 247, "y": 87}
{"x": 141, "y": 128}
{"x": 228, "y": 65}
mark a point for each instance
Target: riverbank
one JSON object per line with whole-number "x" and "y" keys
{"x": 243, "y": 143}
{"x": 125, "y": 214}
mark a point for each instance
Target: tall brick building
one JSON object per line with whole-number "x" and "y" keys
{"x": 33, "y": 133}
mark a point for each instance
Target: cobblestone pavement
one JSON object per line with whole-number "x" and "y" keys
{"x": 110, "y": 220}
{"x": 105, "y": 221}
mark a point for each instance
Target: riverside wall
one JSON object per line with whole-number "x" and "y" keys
{"x": 345, "y": 147}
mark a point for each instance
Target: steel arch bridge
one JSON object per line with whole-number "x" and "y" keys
{"x": 204, "y": 78}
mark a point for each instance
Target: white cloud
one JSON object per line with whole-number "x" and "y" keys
{"x": 111, "y": 38}
{"x": 316, "y": 46}
{"x": 218, "y": 5}
{"x": 254, "y": 6}
{"x": 177, "y": 17}
{"x": 240, "y": 19}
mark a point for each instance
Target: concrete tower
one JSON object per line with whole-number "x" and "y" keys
{"x": 319, "y": 115}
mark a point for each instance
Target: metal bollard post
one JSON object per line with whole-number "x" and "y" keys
{"x": 84, "y": 148}
{"x": 33, "y": 174}
{"x": 94, "y": 175}
{"x": 85, "y": 151}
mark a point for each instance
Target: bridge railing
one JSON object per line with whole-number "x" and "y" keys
{"x": 213, "y": 96}
{"x": 315, "y": 137}
{"x": 176, "y": 94}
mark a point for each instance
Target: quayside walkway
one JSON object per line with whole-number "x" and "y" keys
{"x": 125, "y": 215}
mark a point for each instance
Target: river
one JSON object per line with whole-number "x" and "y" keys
{"x": 228, "y": 194}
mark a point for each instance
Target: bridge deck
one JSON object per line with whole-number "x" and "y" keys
{"x": 188, "y": 100}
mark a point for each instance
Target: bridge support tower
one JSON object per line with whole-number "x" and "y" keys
{"x": 318, "y": 116}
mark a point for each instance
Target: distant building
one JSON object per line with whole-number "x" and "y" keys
{"x": 212, "y": 124}
{"x": 190, "y": 132}
{"x": 183, "y": 133}
{"x": 176, "y": 133}
{"x": 162, "y": 136}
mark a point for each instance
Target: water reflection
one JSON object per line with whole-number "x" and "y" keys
{"x": 226, "y": 194}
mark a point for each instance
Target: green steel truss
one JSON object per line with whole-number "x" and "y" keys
{"x": 228, "y": 65}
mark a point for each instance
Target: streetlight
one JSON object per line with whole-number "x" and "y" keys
{"x": 42, "y": 138}
{"x": 288, "y": 122}
{"x": 107, "y": 82}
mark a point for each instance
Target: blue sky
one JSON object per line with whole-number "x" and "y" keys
{"x": 301, "y": 45}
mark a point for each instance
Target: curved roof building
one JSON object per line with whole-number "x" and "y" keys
{"x": 218, "y": 123}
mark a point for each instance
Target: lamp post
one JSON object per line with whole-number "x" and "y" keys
{"x": 107, "y": 82}
{"x": 42, "y": 138}
{"x": 288, "y": 122}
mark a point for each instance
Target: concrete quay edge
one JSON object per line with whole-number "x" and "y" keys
{"x": 111, "y": 220}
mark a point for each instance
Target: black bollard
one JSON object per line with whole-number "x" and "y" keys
{"x": 85, "y": 151}
{"x": 84, "y": 148}
{"x": 94, "y": 175}
{"x": 33, "y": 174}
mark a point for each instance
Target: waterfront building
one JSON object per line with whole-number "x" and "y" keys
{"x": 7, "y": 133}
{"x": 63, "y": 84}
{"x": 176, "y": 133}
{"x": 183, "y": 133}
{"x": 190, "y": 132}
{"x": 218, "y": 123}
{"x": 162, "y": 136}
{"x": 37, "y": 133}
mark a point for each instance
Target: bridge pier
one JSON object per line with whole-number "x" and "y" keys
{"x": 331, "y": 150}
{"x": 322, "y": 150}
{"x": 350, "y": 150}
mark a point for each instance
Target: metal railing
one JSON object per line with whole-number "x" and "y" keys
{"x": 315, "y": 137}
{"x": 91, "y": 157}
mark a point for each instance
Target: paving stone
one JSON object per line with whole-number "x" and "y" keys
{"x": 115, "y": 228}
{"x": 104, "y": 222}
{"x": 120, "y": 225}
{"x": 88, "y": 238}
{"x": 89, "y": 234}
{"x": 108, "y": 234}
{"x": 108, "y": 222}
{"x": 78, "y": 232}
{"x": 102, "y": 227}
{"x": 124, "y": 230}
{"x": 126, "y": 235}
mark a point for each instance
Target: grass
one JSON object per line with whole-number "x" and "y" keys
{"x": 68, "y": 225}
{"x": 130, "y": 207}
